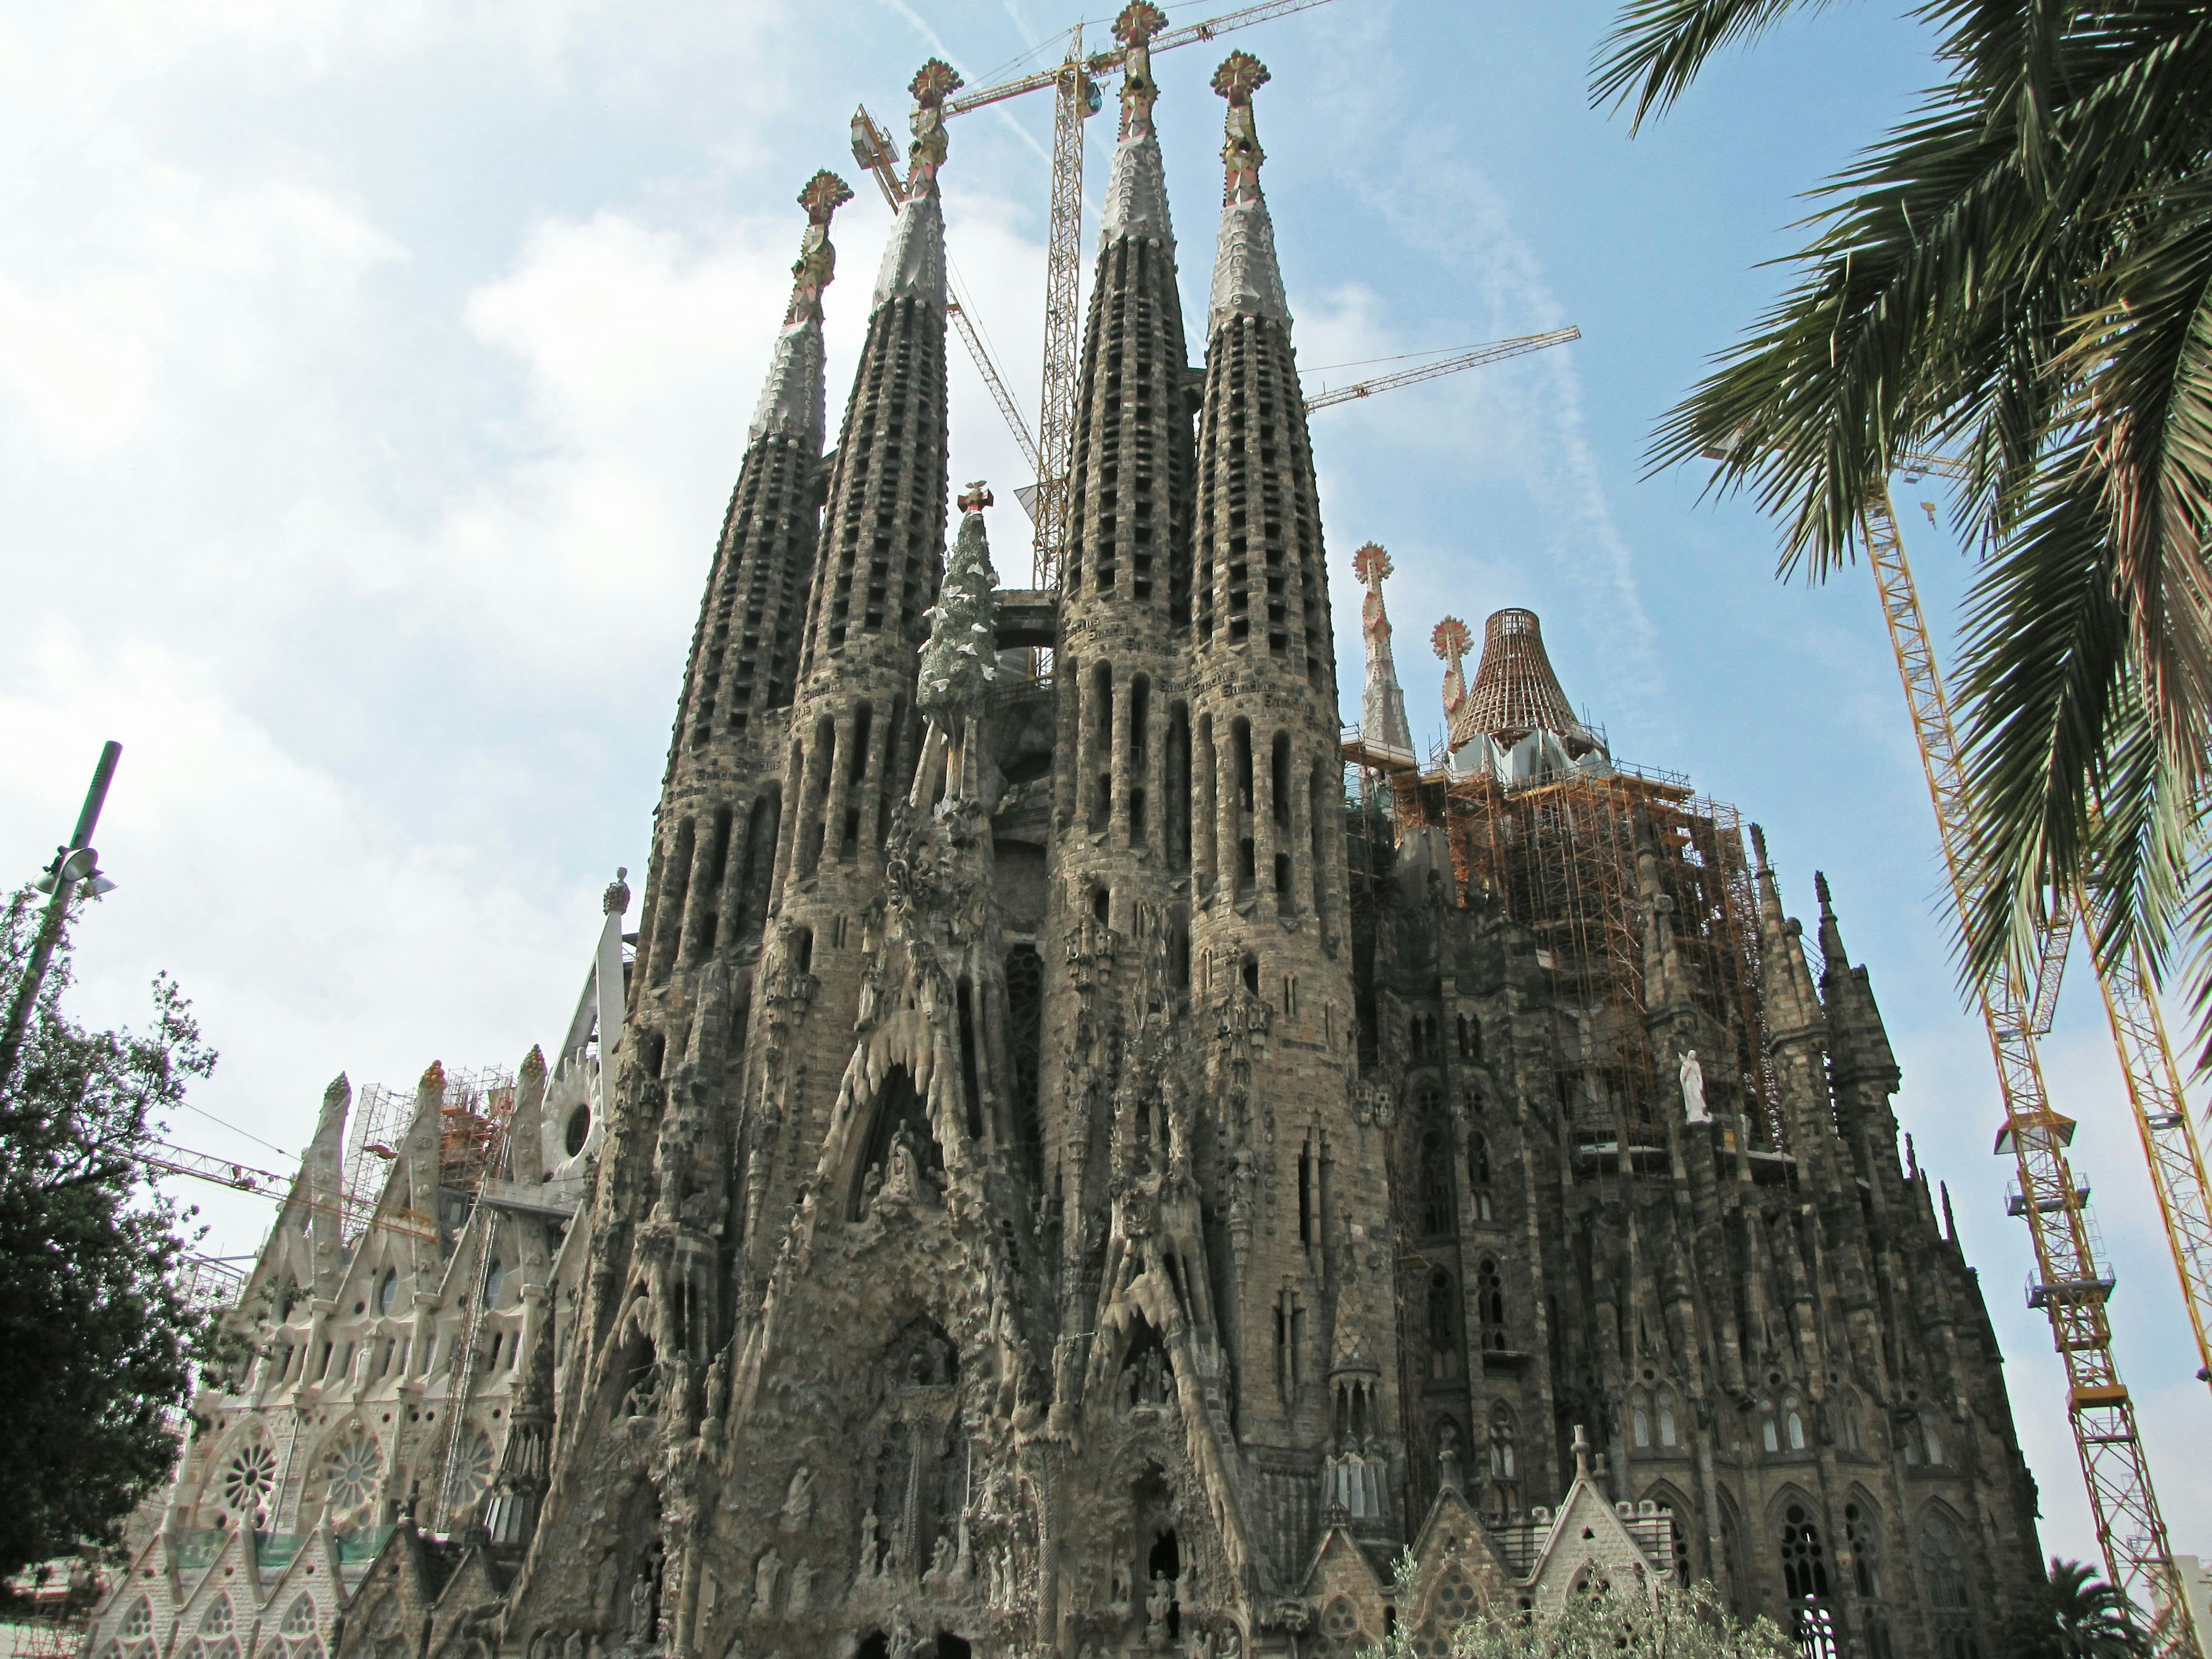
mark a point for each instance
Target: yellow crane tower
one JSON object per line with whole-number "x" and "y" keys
{"x": 2069, "y": 1285}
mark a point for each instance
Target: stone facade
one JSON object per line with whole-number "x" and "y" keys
{"x": 1076, "y": 1183}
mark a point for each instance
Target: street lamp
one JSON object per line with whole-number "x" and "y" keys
{"x": 74, "y": 871}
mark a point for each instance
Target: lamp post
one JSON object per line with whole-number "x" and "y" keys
{"x": 76, "y": 868}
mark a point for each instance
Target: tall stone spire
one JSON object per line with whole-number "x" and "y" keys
{"x": 1122, "y": 777}
{"x": 717, "y": 822}
{"x": 1382, "y": 704}
{"x": 1269, "y": 928}
{"x": 854, "y": 735}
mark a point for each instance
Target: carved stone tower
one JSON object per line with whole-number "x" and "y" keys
{"x": 1120, "y": 857}
{"x": 1271, "y": 948}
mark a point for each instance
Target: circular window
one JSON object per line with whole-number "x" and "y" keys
{"x": 578, "y": 1130}
{"x": 471, "y": 1472}
{"x": 353, "y": 1472}
{"x": 246, "y": 1482}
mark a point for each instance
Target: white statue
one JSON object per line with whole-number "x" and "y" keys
{"x": 1693, "y": 1088}
{"x": 868, "y": 1543}
{"x": 802, "y": 1589}
{"x": 799, "y": 1499}
{"x": 765, "y": 1574}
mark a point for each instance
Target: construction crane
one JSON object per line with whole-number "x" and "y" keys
{"x": 1076, "y": 97}
{"x": 165, "y": 1160}
{"x": 1520, "y": 345}
{"x": 2069, "y": 1285}
{"x": 2171, "y": 1149}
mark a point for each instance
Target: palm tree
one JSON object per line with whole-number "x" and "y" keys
{"x": 2020, "y": 274}
{"x": 2082, "y": 1616}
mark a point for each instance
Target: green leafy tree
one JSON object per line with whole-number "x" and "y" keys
{"x": 2081, "y": 1616}
{"x": 2020, "y": 274}
{"x": 98, "y": 1341}
{"x": 1606, "y": 1622}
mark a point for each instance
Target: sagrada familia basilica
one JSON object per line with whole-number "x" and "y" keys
{"x": 1112, "y": 1161}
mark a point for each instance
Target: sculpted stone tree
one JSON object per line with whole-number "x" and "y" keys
{"x": 960, "y": 659}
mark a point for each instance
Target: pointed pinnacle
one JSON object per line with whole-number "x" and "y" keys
{"x": 1759, "y": 847}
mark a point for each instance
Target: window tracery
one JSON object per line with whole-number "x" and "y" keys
{"x": 1490, "y": 1305}
{"x": 1805, "y": 1581}
{"x": 1477, "y": 1176}
{"x": 1443, "y": 1327}
{"x": 1950, "y": 1593}
{"x": 1436, "y": 1205}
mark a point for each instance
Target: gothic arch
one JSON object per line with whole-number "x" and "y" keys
{"x": 1687, "y": 1541}
{"x": 1946, "y": 1581}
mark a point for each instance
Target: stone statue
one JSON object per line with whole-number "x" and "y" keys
{"x": 941, "y": 1561}
{"x": 802, "y": 1589}
{"x": 799, "y": 1499}
{"x": 903, "y": 1642}
{"x": 1693, "y": 1088}
{"x": 868, "y": 1544}
{"x": 1448, "y": 1475}
{"x": 1155, "y": 1615}
{"x": 765, "y": 1574}
{"x": 903, "y": 1178}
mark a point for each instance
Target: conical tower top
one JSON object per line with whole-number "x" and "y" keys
{"x": 792, "y": 401}
{"x": 1136, "y": 187}
{"x": 913, "y": 258}
{"x": 1515, "y": 690}
{"x": 1247, "y": 280}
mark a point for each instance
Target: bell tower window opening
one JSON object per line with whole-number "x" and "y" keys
{"x": 1805, "y": 1581}
{"x": 1490, "y": 1305}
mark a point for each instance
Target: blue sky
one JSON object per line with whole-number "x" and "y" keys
{"x": 372, "y": 376}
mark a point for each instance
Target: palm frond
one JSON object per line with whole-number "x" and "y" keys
{"x": 1658, "y": 47}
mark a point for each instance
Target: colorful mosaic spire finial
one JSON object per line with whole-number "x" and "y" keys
{"x": 1450, "y": 641}
{"x": 977, "y": 497}
{"x": 1134, "y": 28}
{"x": 1371, "y": 564}
{"x": 825, "y": 193}
{"x": 1240, "y": 76}
{"x": 932, "y": 83}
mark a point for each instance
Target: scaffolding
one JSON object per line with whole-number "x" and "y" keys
{"x": 1562, "y": 855}
{"x": 473, "y": 1109}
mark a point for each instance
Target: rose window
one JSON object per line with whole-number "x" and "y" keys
{"x": 471, "y": 1471}
{"x": 353, "y": 1473}
{"x": 246, "y": 1483}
